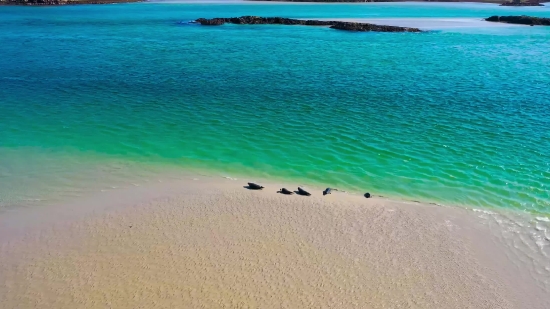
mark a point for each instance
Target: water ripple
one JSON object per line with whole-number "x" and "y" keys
{"x": 459, "y": 119}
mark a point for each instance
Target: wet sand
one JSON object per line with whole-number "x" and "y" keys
{"x": 210, "y": 243}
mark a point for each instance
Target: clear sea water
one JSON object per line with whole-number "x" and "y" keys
{"x": 89, "y": 94}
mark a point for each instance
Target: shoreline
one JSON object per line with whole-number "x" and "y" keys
{"x": 89, "y": 2}
{"x": 169, "y": 173}
{"x": 165, "y": 184}
{"x": 160, "y": 178}
{"x": 377, "y": 1}
{"x": 66, "y": 2}
{"x": 211, "y": 234}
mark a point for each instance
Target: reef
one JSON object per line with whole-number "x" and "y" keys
{"x": 521, "y": 20}
{"x": 340, "y": 25}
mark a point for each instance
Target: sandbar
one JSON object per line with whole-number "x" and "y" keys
{"x": 211, "y": 243}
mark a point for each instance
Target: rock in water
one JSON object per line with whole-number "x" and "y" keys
{"x": 62, "y": 2}
{"x": 363, "y": 27}
{"x": 211, "y": 22}
{"x": 254, "y": 186}
{"x": 520, "y": 20}
{"x": 340, "y": 25}
{"x": 519, "y": 3}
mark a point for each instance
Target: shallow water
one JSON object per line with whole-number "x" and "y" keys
{"x": 92, "y": 94}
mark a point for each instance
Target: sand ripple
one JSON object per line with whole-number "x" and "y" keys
{"x": 211, "y": 244}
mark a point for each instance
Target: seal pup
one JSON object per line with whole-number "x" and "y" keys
{"x": 367, "y": 195}
{"x": 285, "y": 191}
{"x": 254, "y": 186}
{"x": 327, "y": 191}
{"x": 303, "y": 192}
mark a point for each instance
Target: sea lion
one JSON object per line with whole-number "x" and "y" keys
{"x": 254, "y": 186}
{"x": 327, "y": 191}
{"x": 303, "y": 192}
{"x": 286, "y": 191}
{"x": 367, "y": 195}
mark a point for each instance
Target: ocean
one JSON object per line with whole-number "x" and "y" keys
{"x": 95, "y": 97}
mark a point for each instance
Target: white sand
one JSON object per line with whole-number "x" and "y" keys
{"x": 213, "y": 244}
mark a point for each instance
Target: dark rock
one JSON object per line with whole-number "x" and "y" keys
{"x": 211, "y": 22}
{"x": 521, "y": 20}
{"x": 62, "y": 2}
{"x": 332, "y": 1}
{"x": 340, "y": 25}
{"x": 349, "y": 26}
{"x": 367, "y": 195}
{"x": 519, "y": 3}
{"x": 327, "y": 191}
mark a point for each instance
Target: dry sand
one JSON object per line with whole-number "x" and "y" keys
{"x": 213, "y": 244}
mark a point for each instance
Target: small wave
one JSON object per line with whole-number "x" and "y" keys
{"x": 483, "y": 211}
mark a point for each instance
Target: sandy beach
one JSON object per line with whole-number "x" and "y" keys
{"x": 128, "y": 135}
{"x": 210, "y": 243}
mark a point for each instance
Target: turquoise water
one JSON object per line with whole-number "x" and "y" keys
{"x": 458, "y": 116}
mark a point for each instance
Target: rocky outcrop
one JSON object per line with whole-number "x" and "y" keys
{"x": 339, "y": 1}
{"x": 371, "y": 27}
{"x": 340, "y": 25}
{"x": 332, "y": 0}
{"x": 62, "y": 2}
{"x": 520, "y": 3}
{"x": 520, "y": 20}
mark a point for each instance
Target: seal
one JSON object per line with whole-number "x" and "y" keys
{"x": 254, "y": 186}
{"x": 327, "y": 191}
{"x": 303, "y": 192}
{"x": 285, "y": 191}
{"x": 367, "y": 195}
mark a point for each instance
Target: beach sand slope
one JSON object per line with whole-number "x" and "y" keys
{"x": 218, "y": 245}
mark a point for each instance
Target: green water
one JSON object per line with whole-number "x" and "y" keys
{"x": 453, "y": 115}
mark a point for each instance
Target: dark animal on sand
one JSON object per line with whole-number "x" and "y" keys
{"x": 303, "y": 192}
{"x": 367, "y": 195}
{"x": 286, "y": 191}
{"x": 327, "y": 191}
{"x": 254, "y": 186}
